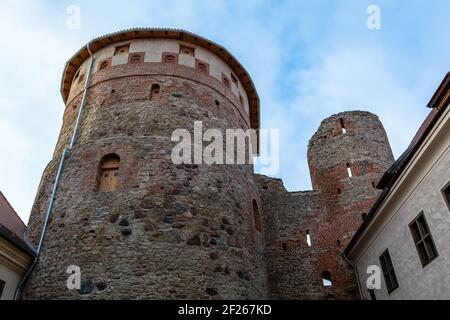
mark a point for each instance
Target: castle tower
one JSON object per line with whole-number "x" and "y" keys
{"x": 138, "y": 225}
{"x": 347, "y": 157}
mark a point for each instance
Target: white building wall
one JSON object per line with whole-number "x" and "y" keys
{"x": 418, "y": 190}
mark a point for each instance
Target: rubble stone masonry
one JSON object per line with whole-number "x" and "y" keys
{"x": 193, "y": 231}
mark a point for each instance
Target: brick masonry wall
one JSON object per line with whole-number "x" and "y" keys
{"x": 332, "y": 213}
{"x": 169, "y": 231}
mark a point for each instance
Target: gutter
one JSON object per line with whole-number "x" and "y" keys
{"x": 355, "y": 269}
{"x": 57, "y": 180}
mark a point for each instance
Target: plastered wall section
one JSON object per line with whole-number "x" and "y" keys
{"x": 154, "y": 49}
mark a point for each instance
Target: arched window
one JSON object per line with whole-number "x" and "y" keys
{"x": 104, "y": 65}
{"x": 109, "y": 173}
{"x": 326, "y": 279}
{"x": 256, "y": 216}
{"x": 155, "y": 92}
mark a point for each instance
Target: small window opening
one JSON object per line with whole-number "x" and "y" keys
{"x": 136, "y": 58}
{"x": 226, "y": 82}
{"x": 344, "y": 130}
{"x": 203, "y": 66}
{"x": 76, "y": 75}
{"x": 234, "y": 79}
{"x": 349, "y": 171}
{"x": 338, "y": 242}
{"x": 217, "y": 102}
{"x": 169, "y": 58}
{"x": 109, "y": 173}
{"x": 374, "y": 185}
{"x": 104, "y": 65}
{"x": 285, "y": 247}
{"x": 187, "y": 50}
{"x": 364, "y": 216}
{"x": 155, "y": 92}
{"x": 122, "y": 49}
{"x": 326, "y": 279}
{"x": 81, "y": 78}
{"x": 339, "y": 191}
{"x": 308, "y": 238}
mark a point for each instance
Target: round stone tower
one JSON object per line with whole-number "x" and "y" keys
{"x": 347, "y": 157}
{"x": 136, "y": 224}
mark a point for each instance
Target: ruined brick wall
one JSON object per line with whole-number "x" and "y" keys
{"x": 354, "y": 141}
{"x": 331, "y": 213}
{"x": 168, "y": 231}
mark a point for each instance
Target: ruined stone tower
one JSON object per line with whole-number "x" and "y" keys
{"x": 139, "y": 226}
{"x": 306, "y": 232}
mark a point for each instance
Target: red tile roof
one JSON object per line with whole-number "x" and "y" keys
{"x": 10, "y": 219}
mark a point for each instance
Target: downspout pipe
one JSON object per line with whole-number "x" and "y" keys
{"x": 57, "y": 180}
{"x": 355, "y": 269}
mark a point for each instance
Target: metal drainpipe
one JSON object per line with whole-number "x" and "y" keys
{"x": 57, "y": 179}
{"x": 358, "y": 281}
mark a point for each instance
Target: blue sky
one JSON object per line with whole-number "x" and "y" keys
{"x": 309, "y": 59}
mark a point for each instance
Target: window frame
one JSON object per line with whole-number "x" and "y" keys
{"x": 444, "y": 194}
{"x": 425, "y": 238}
{"x": 389, "y": 273}
{"x": 114, "y": 171}
{"x": 2, "y": 287}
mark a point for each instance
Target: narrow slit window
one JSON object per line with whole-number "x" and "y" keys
{"x": 155, "y": 92}
{"x": 343, "y": 128}
{"x": 109, "y": 173}
{"x": 285, "y": 247}
{"x": 423, "y": 240}
{"x": 326, "y": 279}
{"x": 308, "y": 238}
{"x": 349, "y": 171}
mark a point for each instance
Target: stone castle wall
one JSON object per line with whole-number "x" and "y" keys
{"x": 194, "y": 231}
{"x": 168, "y": 231}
